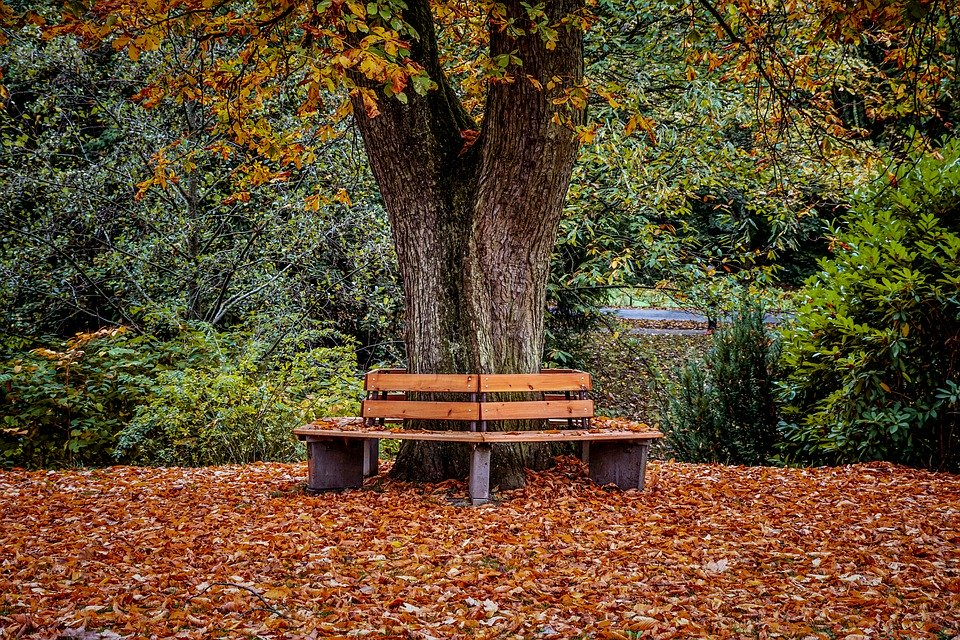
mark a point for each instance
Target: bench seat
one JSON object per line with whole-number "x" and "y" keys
{"x": 341, "y": 453}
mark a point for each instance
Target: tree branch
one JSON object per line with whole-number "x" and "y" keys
{"x": 266, "y": 605}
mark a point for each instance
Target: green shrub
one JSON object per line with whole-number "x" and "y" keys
{"x": 200, "y": 397}
{"x": 723, "y": 408}
{"x": 873, "y": 366}
{"x": 237, "y": 411}
{"x": 64, "y": 406}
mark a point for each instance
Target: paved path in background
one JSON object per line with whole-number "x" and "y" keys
{"x": 677, "y": 315}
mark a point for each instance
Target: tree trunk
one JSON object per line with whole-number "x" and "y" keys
{"x": 474, "y": 225}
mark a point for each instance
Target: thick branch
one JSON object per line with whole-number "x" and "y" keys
{"x": 424, "y": 133}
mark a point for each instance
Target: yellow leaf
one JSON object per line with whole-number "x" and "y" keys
{"x": 647, "y": 125}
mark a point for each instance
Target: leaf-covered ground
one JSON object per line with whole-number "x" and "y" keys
{"x": 869, "y": 551}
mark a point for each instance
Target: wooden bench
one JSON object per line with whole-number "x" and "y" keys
{"x": 341, "y": 452}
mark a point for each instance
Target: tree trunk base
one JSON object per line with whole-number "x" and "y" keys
{"x": 423, "y": 461}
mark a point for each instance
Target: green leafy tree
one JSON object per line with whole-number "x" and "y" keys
{"x": 91, "y": 237}
{"x": 872, "y": 359}
{"x": 680, "y": 185}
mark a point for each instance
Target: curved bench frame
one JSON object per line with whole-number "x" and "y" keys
{"x": 340, "y": 458}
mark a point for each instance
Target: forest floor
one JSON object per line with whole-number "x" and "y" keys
{"x": 857, "y": 552}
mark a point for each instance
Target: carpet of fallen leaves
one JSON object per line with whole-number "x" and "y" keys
{"x": 867, "y": 551}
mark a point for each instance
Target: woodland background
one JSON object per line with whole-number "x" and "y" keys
{"x": 194, "y": 259}
{"x": 171, "y": 293}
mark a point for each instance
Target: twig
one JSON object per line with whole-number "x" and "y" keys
{"x": 266, "y": 605}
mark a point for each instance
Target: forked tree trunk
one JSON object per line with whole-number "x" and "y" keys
{"x": 474, "y": 225}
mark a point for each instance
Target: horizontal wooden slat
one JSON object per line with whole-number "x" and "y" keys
{"x": 536, "y": 409}
{"x": 380, "y": 381}
{"x": 409, "y": 409}
{"x": 574, "y": 381}
{"x": 306, "y": 433}
{"x": 568, "y": 436}
{"x": 311, "y": 433}
{"x": 550, "y": 395}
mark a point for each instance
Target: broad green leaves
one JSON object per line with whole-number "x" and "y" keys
{"x": 873, "y": 354}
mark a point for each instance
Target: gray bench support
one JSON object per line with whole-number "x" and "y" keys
{"x": 341, "y": 460}
{"x": 479, "y": 483}
{"x": 623, "y": 464}
{"x": 335, "y": 463}
{"x": 371, "y": 457}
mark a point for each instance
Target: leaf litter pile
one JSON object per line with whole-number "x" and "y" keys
{"x": 867, "y": 551}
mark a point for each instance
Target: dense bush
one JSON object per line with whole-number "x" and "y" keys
{"x": 65, "y": 405}
{"x": 199, "y": 397}
{"x": 723, "y": 408}
{"x": 233, "y": 411}
{"x": 873, "y": 360}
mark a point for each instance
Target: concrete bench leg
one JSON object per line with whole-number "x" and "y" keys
{"x": 585, "y": 451}
{"x": 371, "y": 457}
{"x": 479, "y": 484}
{"x": 623, "y": 464}
{"x": 335, "y": 463}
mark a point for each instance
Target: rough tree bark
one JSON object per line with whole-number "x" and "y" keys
{"x": 474, "y": 225}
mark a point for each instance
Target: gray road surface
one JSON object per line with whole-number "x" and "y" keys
{"x": 677, "y": 315}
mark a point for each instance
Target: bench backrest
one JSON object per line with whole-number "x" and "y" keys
{"x": 564, "y": 393}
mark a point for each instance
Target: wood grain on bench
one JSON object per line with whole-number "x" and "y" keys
{"x": 309, "y": 432}
{"x": 418, "y": 410}
{"x": 527, "y": 382}
{"x": 536, "y": 409}
{"x": 390, "y": 380}
{"x": 556, "y": 435}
